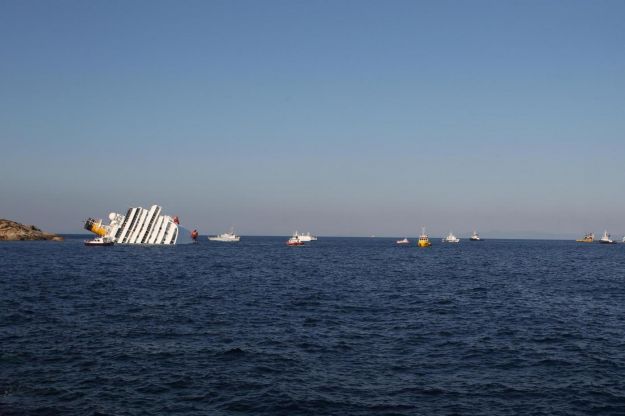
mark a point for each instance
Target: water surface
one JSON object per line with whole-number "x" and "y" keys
{"x": 341, "y": 326}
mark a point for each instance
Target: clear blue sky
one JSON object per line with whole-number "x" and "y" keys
{"x": 336, "y": 117}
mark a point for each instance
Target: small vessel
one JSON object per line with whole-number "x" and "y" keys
{"x": 404, "y": 241}
{"x": 588, "y": 238}
{"x": 624, "y": 239}
{"x": 475, "y": 237}
{"x": 305, "y": 237}
{"x": 294, "y": 241}
{"x": 424, "y": 240}
{"x": 229, "y": 237}
{"x": 451, "y": 238}
{"x": 99, "y": 241}
{"x": 605, "y": 238}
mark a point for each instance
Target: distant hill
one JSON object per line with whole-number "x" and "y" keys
{"x": 14, "y": 231}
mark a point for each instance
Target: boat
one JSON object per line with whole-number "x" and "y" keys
{"x": 475, "y": 237}
{"x": 141, "y": 226}
{"x": 424, "y": 240}
{"x": 305, "y": 237}
{"x": 451, "y": 238}
{"x": 99, "y": 242}
{"x": 404, "y": 241}
{"x": 294, "y": 241}
{"x": 588, "y": 238}
{"x": 605, "y": 238}
{"x": 229, "y": 237}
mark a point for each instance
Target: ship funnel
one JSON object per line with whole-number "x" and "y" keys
{"x": 95, "y": 226}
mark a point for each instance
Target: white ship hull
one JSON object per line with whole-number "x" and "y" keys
{"x": 141, "y": 226}
{"x": 305, "y": 237}
{"x": 451, "y": 239}
{"x": 225, "y": 239}
{"x": 605, "y": 239}
{"x": 229, "y": 237}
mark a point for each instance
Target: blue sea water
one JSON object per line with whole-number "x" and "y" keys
{"x": 341, "y": 326}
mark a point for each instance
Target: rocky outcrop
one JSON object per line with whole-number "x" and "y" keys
{"x": 13, "y": 231}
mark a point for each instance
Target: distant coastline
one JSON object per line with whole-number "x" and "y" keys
{"x": 14, "y": 231}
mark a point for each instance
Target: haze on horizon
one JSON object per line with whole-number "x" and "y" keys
{"x": 336, "y": 117}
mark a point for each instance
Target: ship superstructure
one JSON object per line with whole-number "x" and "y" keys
{"x": 588, "y": 238}
{"x": 141, "y": 226}
{"x": 305, "y": 237}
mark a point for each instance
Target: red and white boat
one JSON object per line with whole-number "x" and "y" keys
{"x": 294, "y": 241}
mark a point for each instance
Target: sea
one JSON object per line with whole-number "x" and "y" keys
{"x": 340, "y": 326}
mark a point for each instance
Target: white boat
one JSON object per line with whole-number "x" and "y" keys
{"x": 475, "y": 237}
{"x": 624, "y": 239}
{"x": 605, "y": 238}
{"x": 140, "y": 226}
{"x": 99, "y": 242}
{"x": 404, "y": 241}
{"x": 229, "y": 237}
{"x": 451, "y": 238}
{"x": 305, "y": 237}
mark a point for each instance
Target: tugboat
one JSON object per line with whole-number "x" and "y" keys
{"x": 475, "y": 237}
{"x": 605, "y": 238}
{"x": 424, "y": 240}
{"x": 451, "y": 238}
{"x": 404, "y": 241}
{"x": 588, "y": 238}
{"x": 99, "y": 241}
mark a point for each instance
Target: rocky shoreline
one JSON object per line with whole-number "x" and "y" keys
{"x": 14, "y": 231}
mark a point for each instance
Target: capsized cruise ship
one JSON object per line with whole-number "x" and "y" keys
{"x": 141, "y": 226}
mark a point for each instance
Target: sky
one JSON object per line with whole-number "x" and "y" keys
{"x": 344, "y": 118}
